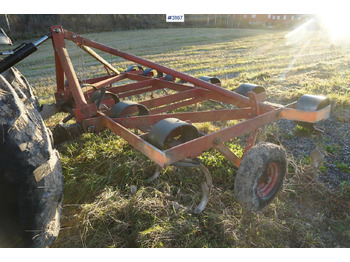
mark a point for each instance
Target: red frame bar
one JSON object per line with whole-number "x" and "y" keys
{"x": 193, "y": 117}
{"x": 160, "y": 101}
{"x": 241, "y": 100}
{"x": 195, "y": 147}
{"x": 65, "y": 63}
{"x": 255, "y": 112}
{"x": 146, "y": 148}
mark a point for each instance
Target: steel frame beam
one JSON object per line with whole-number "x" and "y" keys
{"x": 251, "y": 109}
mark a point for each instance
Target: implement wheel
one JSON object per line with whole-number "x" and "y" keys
{"x": 260, "y": 176}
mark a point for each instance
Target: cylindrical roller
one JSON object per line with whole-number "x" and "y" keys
{"x": 243, "y": 89}
{"x": 169, "y": 78}
{"x": 167, "y": 131}
{"x": 97, "y": 94}
{"x": 155, "y": 73}
{"x": 121, "y": 107}
{"x": 210, "y": 79}
{"x": 134, "y": 68}
{"x": 312, "y": 103}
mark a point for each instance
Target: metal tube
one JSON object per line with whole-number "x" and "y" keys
{"x": 236, "y": 99}
{"x": 99, "y": 58}
{"x": 67, "y": 66}
{"x": 195, "y": 147}
{"x": 42, "y": 40}
{"x": 241, "y": 100}
{"x": 146, "y": 148}
{"x": 10, "y": 52}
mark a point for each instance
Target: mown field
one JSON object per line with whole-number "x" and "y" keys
{"x": 103, "y": 209}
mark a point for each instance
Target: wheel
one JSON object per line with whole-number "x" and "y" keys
{"x": 31, "y": 183}
{"x": 260, "y": 176}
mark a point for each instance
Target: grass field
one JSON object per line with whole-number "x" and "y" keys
{"x": 101, "y": 210}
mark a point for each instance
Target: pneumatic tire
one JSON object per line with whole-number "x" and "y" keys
{"x": 260, "y": 176}
{"x": 31, "y": 183}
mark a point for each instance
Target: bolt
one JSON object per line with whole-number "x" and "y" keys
{"x": 216, "y": 141}
{"x": 62, "y": 94}
{"x": 74, "y": 36}
{"x": 57, "y": 30}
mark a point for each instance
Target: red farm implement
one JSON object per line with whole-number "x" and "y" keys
{"x": 162, "y": 127}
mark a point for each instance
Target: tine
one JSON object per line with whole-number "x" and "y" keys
{"x": 156, "y": 174}
{"x": 206, "y": 188}
{"x": 316, "y": 157}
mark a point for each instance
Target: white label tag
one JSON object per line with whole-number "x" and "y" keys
{"x": 175, "y": 18}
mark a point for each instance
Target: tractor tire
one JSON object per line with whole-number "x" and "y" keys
{"x": 31, "y": 182}
{"x": 260, "y": 176}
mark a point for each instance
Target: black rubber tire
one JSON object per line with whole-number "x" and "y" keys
{"x": 262, "y": 168}
{"x": 31, "y": 182}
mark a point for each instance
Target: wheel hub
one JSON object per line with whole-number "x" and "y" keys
{"x": 268, "y": 180}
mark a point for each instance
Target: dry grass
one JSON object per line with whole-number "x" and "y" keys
{"x": 305, "y": 214}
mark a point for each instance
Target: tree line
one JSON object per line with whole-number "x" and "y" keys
{"x": 32, "y": 25}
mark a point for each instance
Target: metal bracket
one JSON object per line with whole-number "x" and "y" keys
{"x": 48, "y": 110}
{"x": 255, "y": 111}
{"x": 100, "y": 94}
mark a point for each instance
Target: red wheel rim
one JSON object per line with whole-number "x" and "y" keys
{"x": 268, "y": 180}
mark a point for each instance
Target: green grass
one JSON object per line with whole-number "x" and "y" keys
{"x": 343, "y": 167}
{"x": 287, "y": 70}
{"x": 100, "y": 209}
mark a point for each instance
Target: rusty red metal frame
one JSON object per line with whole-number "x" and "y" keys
{"x": 250, "y": 112}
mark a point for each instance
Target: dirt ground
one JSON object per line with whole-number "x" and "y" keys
{"x": 336, "y": 143}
